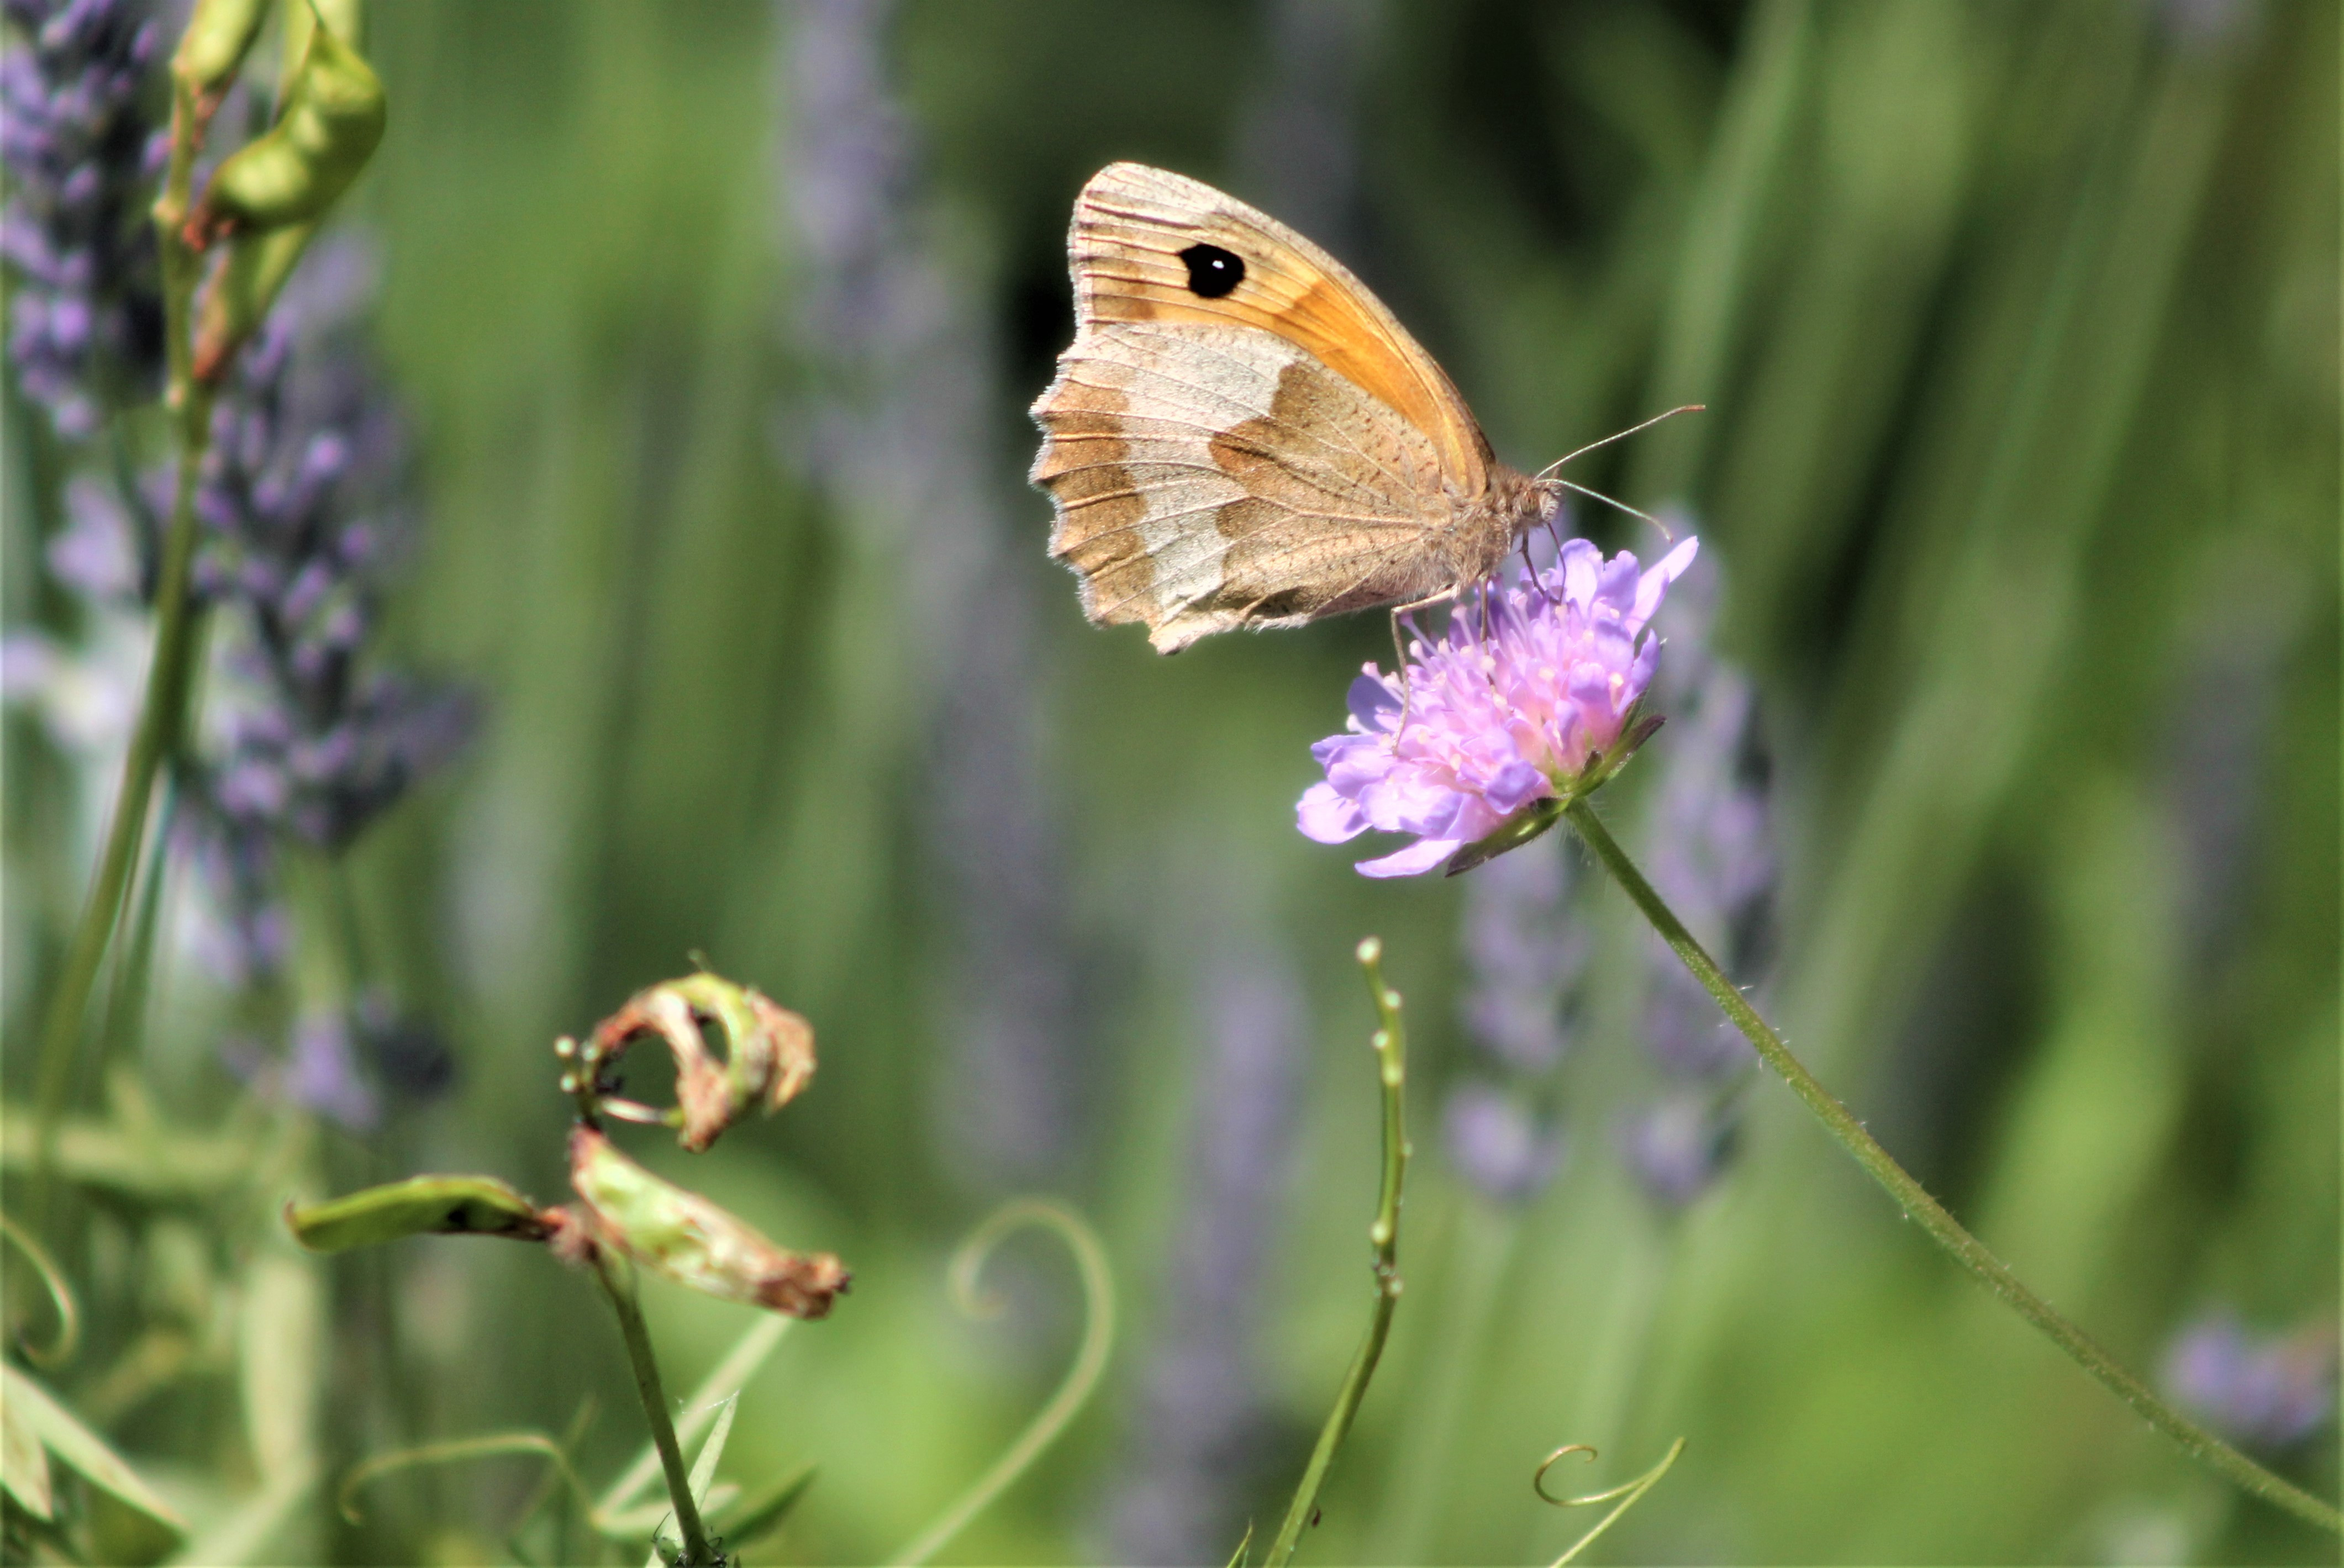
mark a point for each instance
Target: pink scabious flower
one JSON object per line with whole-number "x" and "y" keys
{"x": 1528, "y": 702}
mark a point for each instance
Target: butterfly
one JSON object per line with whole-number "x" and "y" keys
{"x": 1241, "y": 435}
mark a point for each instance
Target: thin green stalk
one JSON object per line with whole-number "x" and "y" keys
{"x": 1392, "y": 1063}
{"x": 134, "y": 971}
{"x": 1081, "y": 1377}
{"x": 168, "y": 680}
{"x": 169, "y": 672}
{"x": 1926, "y": 1211}
{"x": 621, "y": 1288}
{"x": 1481, "y": 1253}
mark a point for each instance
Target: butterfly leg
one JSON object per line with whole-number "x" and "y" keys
{"x": 1400, "y": 649}
{"x": 1529, "y": 566}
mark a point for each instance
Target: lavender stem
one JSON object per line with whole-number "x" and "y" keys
{"x": 169, "y": 673}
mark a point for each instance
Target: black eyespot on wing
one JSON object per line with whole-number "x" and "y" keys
{"x": 1212, "y": 271}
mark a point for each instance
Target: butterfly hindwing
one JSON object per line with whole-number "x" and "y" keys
{"x": 1207, "y": 480}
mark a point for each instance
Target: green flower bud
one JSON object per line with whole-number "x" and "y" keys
{"x": 679, "y": 1233}
{"x": 422, "y": 1205}
{"x": 333, "y": 118}
{"x": 214, "y": 46}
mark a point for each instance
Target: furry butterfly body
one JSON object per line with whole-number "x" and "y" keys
{"x": 1242, "y": 435}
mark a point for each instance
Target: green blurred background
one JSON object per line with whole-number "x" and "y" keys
{"x": 2017, "y": 327}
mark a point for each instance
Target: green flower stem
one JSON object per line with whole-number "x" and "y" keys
{"x": 1927, "y": 1212}
{"x": 1391, "y": 1061}
{"x": 170, "y": 674}
{"x": 618, "y": 1283}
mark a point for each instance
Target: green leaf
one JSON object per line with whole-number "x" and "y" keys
{"x": 281, "y": 1361}
{"x": 79, "y": 1447}
{"x": 753, "y": 1514}
{"x": 704, "y": 1467}
{"x": 272, "y": 193}
{"x": 615, "y": 1514}
{"x": 419, "y": 1206}
{"x": 23, "y": 1464}
{"x": 152, "y": 1165}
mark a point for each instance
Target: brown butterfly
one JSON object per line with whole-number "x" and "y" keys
{"x": 1242, "y": 435}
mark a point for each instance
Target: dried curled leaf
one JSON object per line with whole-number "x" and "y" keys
{"x": 681, "y": 1234}
{"x": 419, "y": 1206}
{"x": 768, "y": 1049}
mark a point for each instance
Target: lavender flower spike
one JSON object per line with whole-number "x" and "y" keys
{"x": 85, "y": 318}
{"x": 1526, "y": 699}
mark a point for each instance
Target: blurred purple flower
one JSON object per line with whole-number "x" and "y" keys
{"x": 1199, "y": 1429}
{"x": 85, "y": 318}
{"x": 1689, "y": 1038}
{"x": 2265, "y": 1391}
{"x": 1526, "y": 697}
{"x": 1499, "y": 1143}
{"x": 1712, "y": 856}
{"x": 300, "y": 501}
{"x": 1523, "y": 954}
{"x": 237, "y": 933}
{"x": 1677, "y": 1147}
{"x": 321, "y": 1073}
{"x": 101, "y": 553}
{"x": 409, "y": 1056}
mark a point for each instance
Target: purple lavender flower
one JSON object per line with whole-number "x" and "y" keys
{"x": 1498, "y": 1142}
{"x": 1530, "y": 697}
{"x": 80, "y": 154}
{"x": 240, "y": 932}
{"x": 299, "y": 498}
{"x": 2263, "y": 1390}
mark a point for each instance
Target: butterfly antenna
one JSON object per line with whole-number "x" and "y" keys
{"x": 1599, "y": 496}
{"x": 1548, "y": 472}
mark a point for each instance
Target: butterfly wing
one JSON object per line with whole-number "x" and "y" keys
{"x": 1260, "y": 454}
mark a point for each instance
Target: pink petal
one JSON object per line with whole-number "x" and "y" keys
{"x": 1655, "y": 582}
{"x": 1413, "y": 862}
{"x": 1327, "y": 817}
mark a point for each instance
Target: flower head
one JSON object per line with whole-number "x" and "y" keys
{"x": 1530, "y": 697}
